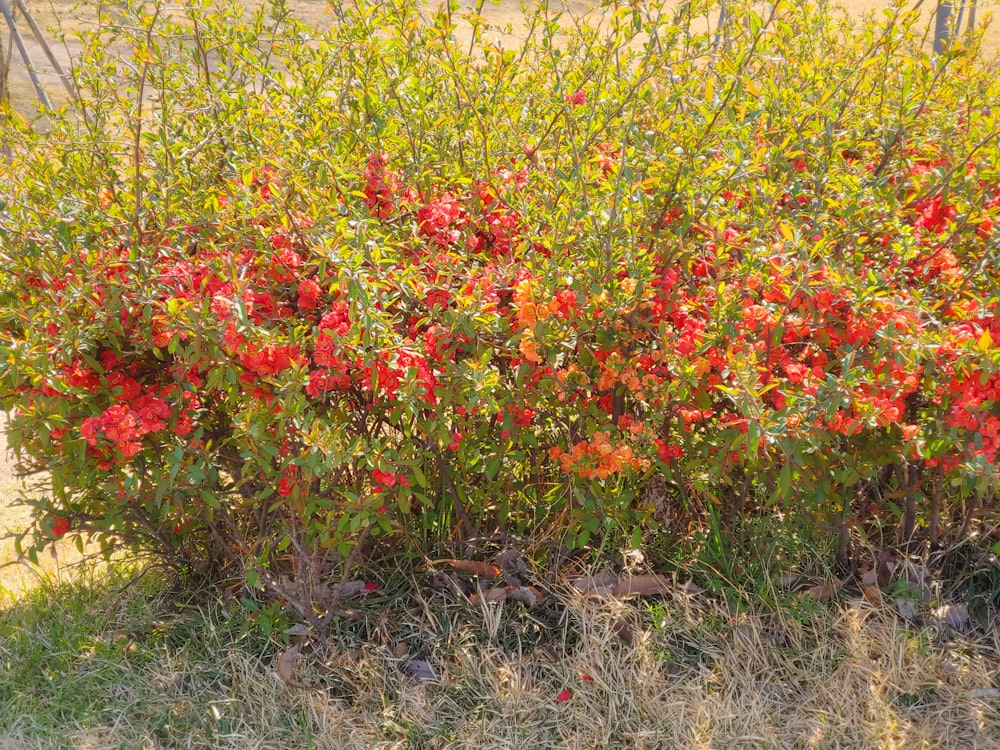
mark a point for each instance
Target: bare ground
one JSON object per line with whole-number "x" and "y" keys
{"x": 18, "y": 576}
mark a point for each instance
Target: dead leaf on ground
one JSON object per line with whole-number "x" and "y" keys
{"x": 352, "y": 589}
{"x": 511, "y": 562}
{"x": 642, "y": 586}
{"x": 906, "y": 608}
{"x": 955, "y": 616}
{"x": 599, "y": 585}
{"x": 451, "y": 583}
{"x": 529, "y": 596}
{"x": 470, "y": 567}
{"x": 286, "y": 667}
{"x": 872, "y": 595}
{"x": 623, "y": 630}
{"x": 789, "y": 580}
{"x": 822, "y": 590}
{"x": 421, "y": 670}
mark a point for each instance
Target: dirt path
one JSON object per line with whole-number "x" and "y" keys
{"x": 18, "y": 577}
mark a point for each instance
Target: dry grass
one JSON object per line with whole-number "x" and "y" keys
{"x": 141, "y": 672}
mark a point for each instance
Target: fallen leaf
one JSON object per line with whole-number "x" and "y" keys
{"x": 820, "y": 591}
{"x": 906, "y": 608}
{"x": 498, "y": 594}
{"x": 691, "y": 588}
{"x": 789, "y": 580}
{"x": 564, "y": 695}
{"x": 351, "y": 589}
{"x": 623, "y": 630}
{"x": 599, "y": 585}
{"x": 400, "y": 650}
{"x": 471, "y": 567}
{"x": 511, "y": 562}
{"x": 642, "y": 586}
{"x": 286, "y": 667}
{"x": 872, "y": 594}
{"x": 421, "y": 670}
{"x": 955, "y": 616}
{"x": 526, "y": 595}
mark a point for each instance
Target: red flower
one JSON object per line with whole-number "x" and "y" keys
{"x": 564, "y": 695}
{"x": 309, "y": 294}
{"x": 287, "y": 485}
{"x": 59, "y": 527}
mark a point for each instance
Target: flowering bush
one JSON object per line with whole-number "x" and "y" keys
{"x": 272, "y": 295}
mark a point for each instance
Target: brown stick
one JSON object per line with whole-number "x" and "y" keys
{"x": 909, "y": 475}
{"x": 936, "y": 509}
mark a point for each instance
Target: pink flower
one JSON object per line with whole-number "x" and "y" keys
{"x": 577, "y": 98}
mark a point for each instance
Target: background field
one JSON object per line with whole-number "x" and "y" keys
{"x": 65, "y": 16}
